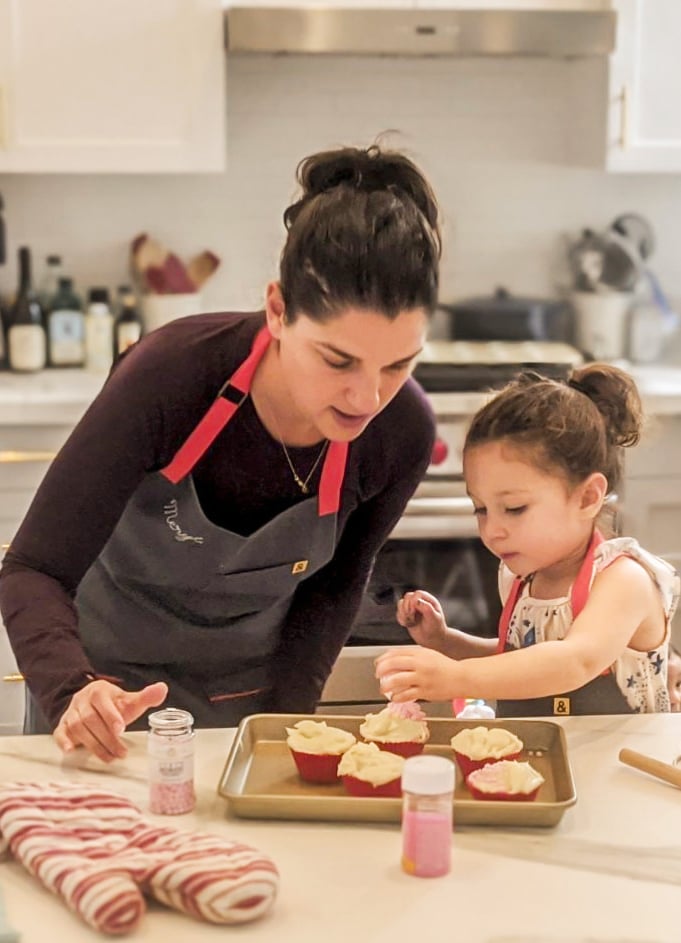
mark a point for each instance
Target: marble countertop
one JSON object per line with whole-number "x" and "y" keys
{"x": 610, "y": 872}
{"x": 60, "y": 397}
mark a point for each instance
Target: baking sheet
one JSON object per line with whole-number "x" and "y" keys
{"x": 260, "y": 779}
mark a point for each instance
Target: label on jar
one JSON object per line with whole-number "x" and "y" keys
{"x": 67, "y": 338}
{"x": 27, "y": 347}
{"x": 169, "y": 762}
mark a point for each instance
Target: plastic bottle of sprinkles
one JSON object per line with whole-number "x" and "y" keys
{"x": 427, "y": 790}
{"x": 170, "y": 746}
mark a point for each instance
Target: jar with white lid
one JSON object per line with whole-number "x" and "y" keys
{"x": 170, "y": 748}
{"x": 427, "y": 815}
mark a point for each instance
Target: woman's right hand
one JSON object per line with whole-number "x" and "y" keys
{"x": 99, "y": 713}
{"x": 421, "y": 614}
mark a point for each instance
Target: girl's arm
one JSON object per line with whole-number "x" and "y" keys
{"x": 622, "y": 598}
{"x": 421, "y": 614}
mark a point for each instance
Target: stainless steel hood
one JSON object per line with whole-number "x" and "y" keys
{"x": 398, "y": 31}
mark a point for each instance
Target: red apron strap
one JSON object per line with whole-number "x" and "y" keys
{"x": 582, "y": 585}
{"x": 578, "y": 595}
{"x": 507, "y": 612}
{"x": 331, "y": 481}
{"x": 230, "y": 397}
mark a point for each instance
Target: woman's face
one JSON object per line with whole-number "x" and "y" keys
{"x": 339, "y": 374}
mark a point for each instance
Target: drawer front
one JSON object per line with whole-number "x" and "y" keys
{"x": 33, "y": 438}
{"x": 13, "y": 507}
{"x": 20, "y": 471}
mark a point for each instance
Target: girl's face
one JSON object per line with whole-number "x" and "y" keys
{"x": 338, "y": 375}
{"x": 529, "y": 518}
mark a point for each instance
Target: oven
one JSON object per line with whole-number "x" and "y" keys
{"x": 435, "y": 545}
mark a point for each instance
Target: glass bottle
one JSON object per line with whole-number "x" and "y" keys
{"x": 26, "y": 340}
{"x": 66, "y": 327}
{"x": 49, "y": 283}
{"x": 128, "y": 323}
{"x": 98, "y": 331}
{"x": 427, "y": 815}
{"x": 170, "y": 748}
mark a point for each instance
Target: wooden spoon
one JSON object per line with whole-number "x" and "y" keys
{"x": 664, "y": 771}
{"x": 202, "y": 266}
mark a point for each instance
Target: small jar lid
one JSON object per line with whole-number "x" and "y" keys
{"x": 430, "y": 775}
{"x": 171, "y": 720}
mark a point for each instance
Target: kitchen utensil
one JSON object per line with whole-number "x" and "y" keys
{"x": 647, "y": 764}
{"x": 146, "y": 252}
{"x": 202, "y": 266}
{"x": 603, "y": 262}
{"x": 602, "y": 320}
{"x": 505, "y": 316}
{"x": 177, "y": 282}
{"x": 637, "y": 230}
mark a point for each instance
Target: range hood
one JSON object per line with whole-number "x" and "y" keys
{"x": 400, "y": 31}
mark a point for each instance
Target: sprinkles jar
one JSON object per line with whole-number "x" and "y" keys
{"x": 170, "y": 748}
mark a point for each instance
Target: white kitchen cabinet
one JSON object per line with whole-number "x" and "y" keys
{"x": 25, "y": 455}
{"x": 644, "y": 115}
{"x": 651, "y": 510}
{"x": 114, "y": 86}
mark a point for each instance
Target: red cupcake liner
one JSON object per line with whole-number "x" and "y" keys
{"x": 502, "y": 796}
{"x": 468, "y": 765}
{"x": 317, "y": 767}
{"x": 402, "y": 748}
{"x": 359, "y": 787}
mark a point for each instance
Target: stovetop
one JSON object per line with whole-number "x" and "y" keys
{"x": 462, "y": 366}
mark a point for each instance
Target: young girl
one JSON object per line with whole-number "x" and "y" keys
{"x": 585, "y": 625}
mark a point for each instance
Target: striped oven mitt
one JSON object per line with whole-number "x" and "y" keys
{"x": 95, "y": 850}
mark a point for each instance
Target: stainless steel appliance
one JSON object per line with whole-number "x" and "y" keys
{"x": 435, "y": 545}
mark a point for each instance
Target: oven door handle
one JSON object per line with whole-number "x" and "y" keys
{"x": 437, "y": 507}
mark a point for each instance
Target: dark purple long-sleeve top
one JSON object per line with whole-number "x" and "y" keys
{"x": 152, "y": 400}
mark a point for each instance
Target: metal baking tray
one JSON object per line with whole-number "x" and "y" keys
{"x": 260, "y": 779}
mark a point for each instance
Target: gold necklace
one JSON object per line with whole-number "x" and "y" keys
{"x": 303, "y": 485}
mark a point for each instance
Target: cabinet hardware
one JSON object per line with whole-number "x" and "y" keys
{"x": 624, "y": 119}
{"x": 9, "y": 457}
{"x": 13, "y": 678}
{"x": 4, "y": 546}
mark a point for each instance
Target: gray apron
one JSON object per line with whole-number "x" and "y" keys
{"x": 602, "y": 695}
{"x": 175, "y": 598}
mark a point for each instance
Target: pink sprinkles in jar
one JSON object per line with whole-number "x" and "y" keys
{"x": 170, "y": 746}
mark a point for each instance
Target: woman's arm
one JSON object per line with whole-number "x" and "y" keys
{"x": 622, "y": 597}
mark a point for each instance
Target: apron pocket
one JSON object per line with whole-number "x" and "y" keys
{"x": 238, "y": 688}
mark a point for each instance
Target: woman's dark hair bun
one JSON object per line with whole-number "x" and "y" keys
{"x": 366, "y": 169}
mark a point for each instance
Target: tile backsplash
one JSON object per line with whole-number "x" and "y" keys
{"x": 511, "y": 146}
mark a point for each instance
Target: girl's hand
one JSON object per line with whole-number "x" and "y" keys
{"x": 411, "y": 674}
{"x": 99, "y": 713}
{"x": 421, "y": 614}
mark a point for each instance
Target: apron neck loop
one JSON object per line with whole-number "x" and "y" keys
{"x": 578, "y": 594}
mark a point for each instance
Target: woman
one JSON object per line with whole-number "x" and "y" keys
{"x": 206, "y": 533}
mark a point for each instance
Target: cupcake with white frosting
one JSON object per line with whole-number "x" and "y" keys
{"x": 398, "y": 728}
{"x": 475, "y": 747}
{"x": 317, "y": 749}
{"x": 506, "y": 780}
{"x": 367, "y": 771}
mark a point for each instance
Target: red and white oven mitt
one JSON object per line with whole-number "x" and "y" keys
{"x": 95, "y": 850}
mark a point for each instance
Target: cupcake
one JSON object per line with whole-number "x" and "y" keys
{"x": 507, "y": 780}
{"x": 474, "y": 747}
{"x": 316, "y": 749}
{"x": 398, "y": 728}
{"x": 367, "y": 771}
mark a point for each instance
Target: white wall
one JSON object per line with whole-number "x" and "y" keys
{"x": 502, "y": 141}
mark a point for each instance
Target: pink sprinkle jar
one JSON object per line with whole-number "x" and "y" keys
{"x": 170, "y": 749}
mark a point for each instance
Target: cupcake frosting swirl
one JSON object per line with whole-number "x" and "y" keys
{"x": 367, "y": 762}
{"x": 479, "y": 743}
{"x": 506, "y": 776}
{"x": 389, "y": 726}
{"x": 312, "y": 736}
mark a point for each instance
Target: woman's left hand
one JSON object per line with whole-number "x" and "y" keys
{"x": 410, "y": 674}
